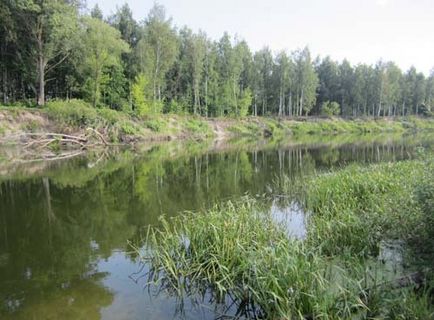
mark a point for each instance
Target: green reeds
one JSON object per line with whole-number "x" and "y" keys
{"x": 237, "y": 251}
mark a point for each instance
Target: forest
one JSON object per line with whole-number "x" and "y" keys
{"x": 61, "y": 50}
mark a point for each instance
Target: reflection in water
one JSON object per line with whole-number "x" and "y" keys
{"x": 64, "y": 229}
{"x": 292, "y": 218}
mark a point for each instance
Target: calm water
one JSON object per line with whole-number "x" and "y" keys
{"x": 64, "y": 227}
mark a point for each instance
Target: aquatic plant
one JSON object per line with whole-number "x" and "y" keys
{"x": 236, "y": 252}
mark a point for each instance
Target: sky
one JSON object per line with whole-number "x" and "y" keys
{"x": 362, "y": 31}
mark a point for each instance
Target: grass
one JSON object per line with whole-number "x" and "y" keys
{"x": 329, "y": 126}
{"x": 235, "y": 252}
{"x": 238, "y": 252}
{"x": 358, "y": 207}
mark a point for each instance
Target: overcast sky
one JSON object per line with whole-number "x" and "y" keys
{"x": 359, "y": 30}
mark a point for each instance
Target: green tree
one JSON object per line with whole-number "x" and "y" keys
{"x": 328, "y": 86}
{"x": 157, "y": 50}
{"x": 263, "y": 70}
{"x": 102, "y": 47}
{"x": 429, "y": 97}
{"x": 245, "y": 102}
{"x": 141, "y": 92}
{"x": 306, "y": 81}
{"x": 283, "y": 73}
{"x": 96, "y": 13}
{"x": 346, "y": 83}
{"x": 52, "y": 28}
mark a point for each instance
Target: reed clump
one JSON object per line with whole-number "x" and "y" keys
{"x": 236, "y": 252}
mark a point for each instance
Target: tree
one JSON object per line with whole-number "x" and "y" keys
{"x": 142, "y": 99}
{"x": 283, "y": 72}
{"x": 103, "y": 47}
{"x": 328, "y": 86}
{"x": 429, "y": 97}
{"x": 52, "y": 28}
{"x": 245, "y": 102}
{"x": 345, "y": 93}
{"x": 8, "y": 37}
{"x": 306, "y": 81}
{"x": 263, "y": 70}
{"x": 157, "y": 50}
{"x": 392, "y": 90}
{"x": 96, "y": 13}
{"x": 123, "y": 21}
{"x": 360, "y": 89}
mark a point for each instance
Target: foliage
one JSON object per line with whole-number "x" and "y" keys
{"x": 99, "y": 58}
{"x": 245, "y": 102}
{"x": 73, "y": 113}
{"x": 102, "y": 47}
{"x": 140, "y": 94}
{"x": 330, "y": 108}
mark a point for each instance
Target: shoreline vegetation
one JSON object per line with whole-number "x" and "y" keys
{"x": 72, "y": 123}
{"x": 359, "y": 219}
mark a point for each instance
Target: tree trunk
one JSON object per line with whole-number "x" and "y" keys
{"x": 206, "y": 95}
{"x": 290, "y": 104}
{"x": 280, "y": 103}
{"x": 41, "y": 80}
{"x": 41, "y": 64}
{"x": 5, "y": 85}
{"x": 301, "y": 102}
{"x": 4, "y": 73}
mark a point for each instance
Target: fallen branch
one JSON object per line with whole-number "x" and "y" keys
{"x": 48, "y": 134}
{"x": 54, "y": 158}
{"x": 99, "y": 135}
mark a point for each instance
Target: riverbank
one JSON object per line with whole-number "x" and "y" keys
{"x": 75, "y": 118}
{"x": 367, "y": 252}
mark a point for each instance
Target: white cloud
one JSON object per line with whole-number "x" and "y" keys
{"x": 382, "y": 3}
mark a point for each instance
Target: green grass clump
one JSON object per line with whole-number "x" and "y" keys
{"x": 197, "y": 126}
{"x": 237, "y": 251}
{"x": 355, "y": 208}
{"x": 155, "y": 124}
{"x": 72, "y": 113}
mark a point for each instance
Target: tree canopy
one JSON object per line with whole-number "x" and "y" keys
{"x": 54, "y": 50}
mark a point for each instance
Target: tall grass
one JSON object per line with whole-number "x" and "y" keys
{"x": 357, "y": 207}
{"x": 237, "y": 251}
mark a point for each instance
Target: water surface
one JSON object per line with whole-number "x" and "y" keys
{"x": 64, "y": 226}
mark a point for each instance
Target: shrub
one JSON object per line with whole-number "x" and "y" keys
{"x": 155, "y": 124}
{"x": 330, "y": 108}
{"x": 73, "y": 112}
{"x": 110, "y": 116}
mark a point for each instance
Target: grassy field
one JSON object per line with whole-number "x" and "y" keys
{"x": 236, "y": 252}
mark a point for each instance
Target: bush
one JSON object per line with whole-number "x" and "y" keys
{"x": 330, "y": 108}
{"x": 155, "y": 125}
{"x": 73, "y": 112}
{"x": 110, "y": 116}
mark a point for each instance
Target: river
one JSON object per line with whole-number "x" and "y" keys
{"x": 65, "y": 226}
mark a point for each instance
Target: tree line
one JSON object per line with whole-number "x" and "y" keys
{"x": 53, "y": 49}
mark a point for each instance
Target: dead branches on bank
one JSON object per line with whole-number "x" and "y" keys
{"x": 49, "y": 140}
